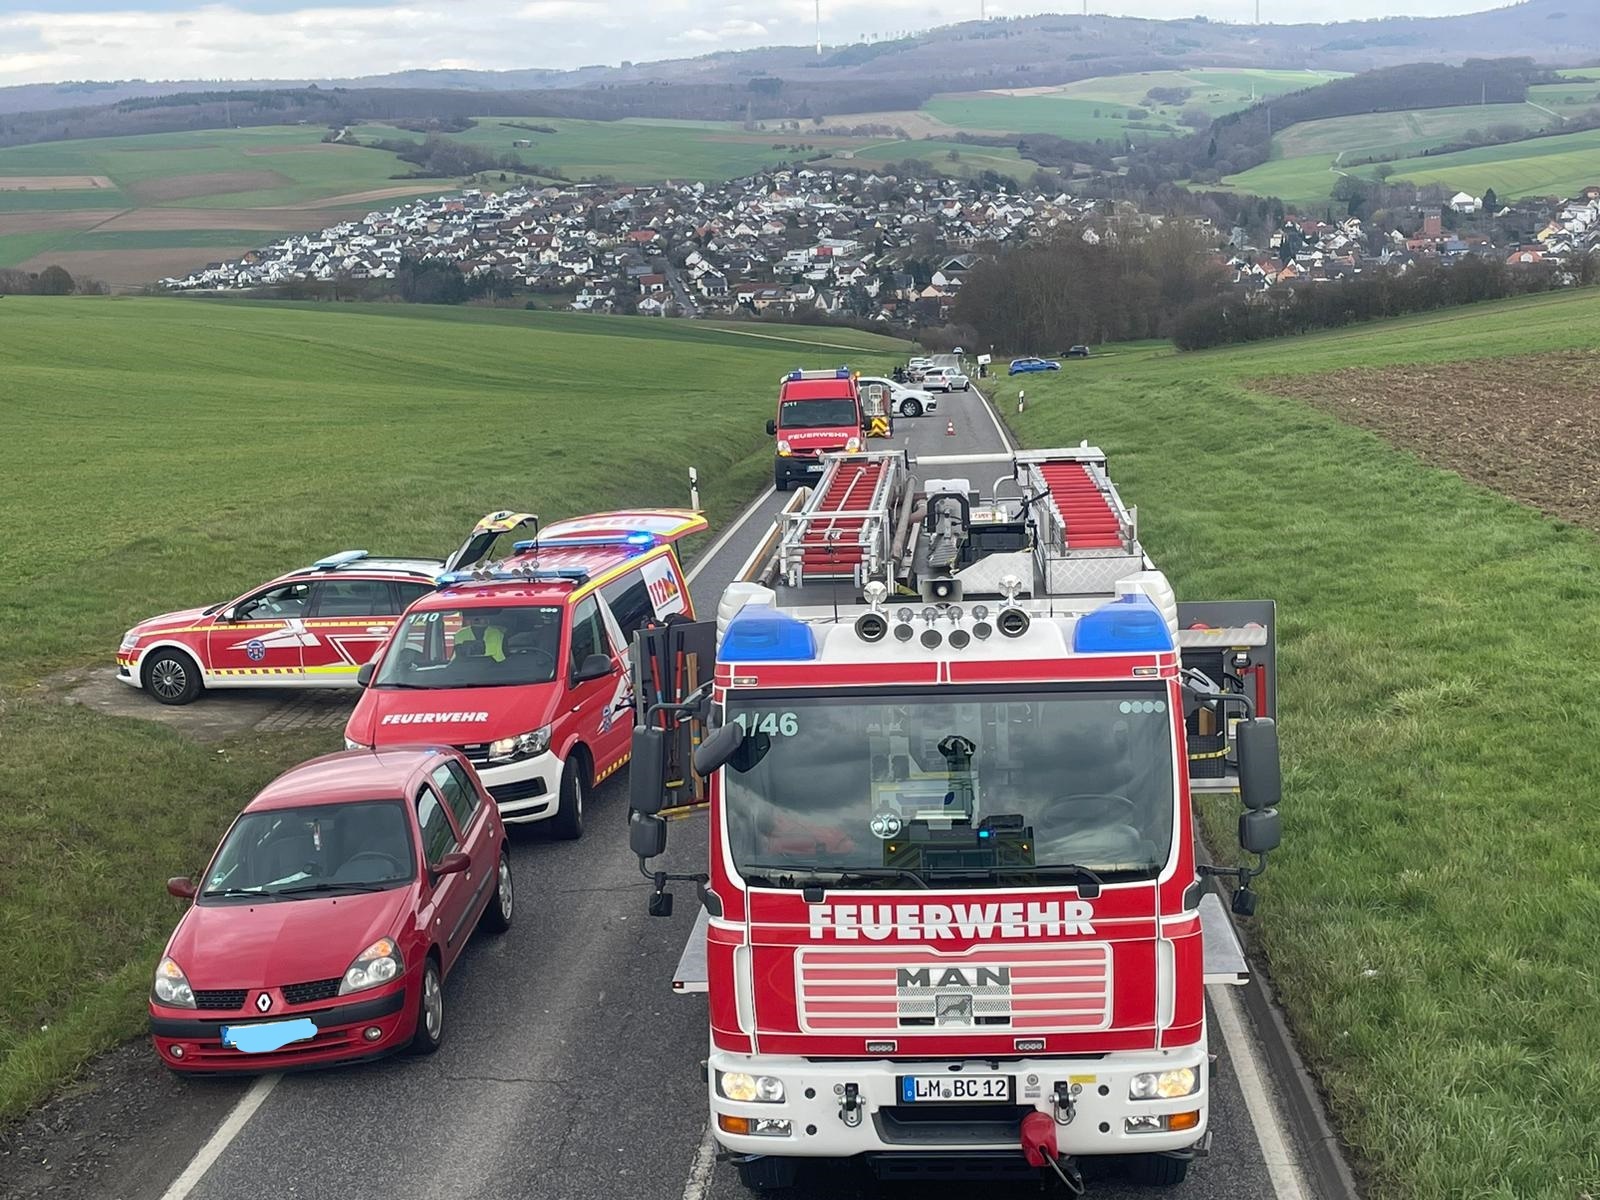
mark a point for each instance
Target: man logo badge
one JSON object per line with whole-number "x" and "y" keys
{"x": 263, "y": 1002}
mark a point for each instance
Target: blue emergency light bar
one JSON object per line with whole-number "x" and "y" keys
{"x": 538, "y": 575}
{"x": 1128, "y": 624}
{"x": 759, "y": 633}
{"x": 840, "y": 373}
{"x": 338, "y": 560}
{"x": 592, "y": 539}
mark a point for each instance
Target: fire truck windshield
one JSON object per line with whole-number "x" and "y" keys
{"x": 958, "y": 788}
{"x": 816, "y": 414}
{"x": 473, "y": 647}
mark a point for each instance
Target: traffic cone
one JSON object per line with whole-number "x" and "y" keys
{"x": 949, "y": 429}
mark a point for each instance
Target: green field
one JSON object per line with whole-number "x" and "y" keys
{"x": 1307, "y": 157}
{"x": 1430, "y": 918}
{"x": 1098, "y": 108}
{"x": 1549, "y": 166}
{"x": 216, "y": 445}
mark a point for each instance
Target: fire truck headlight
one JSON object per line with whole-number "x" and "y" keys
{"x": 783, "y": 450}
{"x": 1167, "y": 1085}
{"x": 750, "y": 1089}
{"x": 523, "y": 745}
{"x": 852, "y": 445}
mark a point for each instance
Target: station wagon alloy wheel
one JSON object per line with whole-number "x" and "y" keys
{"x": 172, "y": 677}
{"x": 169, "y": 678}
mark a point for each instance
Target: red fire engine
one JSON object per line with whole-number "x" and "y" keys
{"x": 954, "y": 919}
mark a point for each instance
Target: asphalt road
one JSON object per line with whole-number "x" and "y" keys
{"x": 570, "y": 1071}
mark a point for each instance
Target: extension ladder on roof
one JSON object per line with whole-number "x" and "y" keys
{"x": 844, "y": 529}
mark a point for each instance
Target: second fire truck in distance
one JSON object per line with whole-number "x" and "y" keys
{"x": 954, "y": 919}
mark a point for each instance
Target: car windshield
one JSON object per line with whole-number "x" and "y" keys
{"x": 816, "y": 414}
{"x": 952, "y": 790}
{"x": 473, "y": 647}
{"x": 289, "y": 853}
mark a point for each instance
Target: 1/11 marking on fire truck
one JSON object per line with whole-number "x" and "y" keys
{"x": 1049, "y": 918}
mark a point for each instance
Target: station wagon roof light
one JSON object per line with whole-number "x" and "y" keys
{"x": 334, "y": 561}
{"x": 635, "y": 538}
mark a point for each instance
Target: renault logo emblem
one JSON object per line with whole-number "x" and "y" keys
{"x": 263, "y": 1002}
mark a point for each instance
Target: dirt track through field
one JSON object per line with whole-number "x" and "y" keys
{"x": 1527, "y": 427}
{"x": 53, "y": 183}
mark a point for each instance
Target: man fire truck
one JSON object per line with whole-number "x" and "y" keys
{"x": 954, "y": 919}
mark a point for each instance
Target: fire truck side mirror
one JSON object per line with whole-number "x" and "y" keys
{"x": 772, "y": 427}
{"x": 717, "y": 749}
{"x": 647, "y": 778}
{"x": 1260, "y": 830}
{"x": 1260, "y": 778}
{"x": 647, "y": 835}
{"x": 364, "y": 674}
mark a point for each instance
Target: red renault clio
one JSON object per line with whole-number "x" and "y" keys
{"x": 331, "y": 914}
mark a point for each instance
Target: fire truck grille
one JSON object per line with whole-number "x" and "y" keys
{"x": 307, "y": 993}
{"x": 1038, "y": 989}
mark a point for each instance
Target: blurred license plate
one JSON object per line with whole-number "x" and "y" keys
{"x": 264, "y": 1037}
{"x": 957, "y": 1089}
{"x": 814, "y": 468}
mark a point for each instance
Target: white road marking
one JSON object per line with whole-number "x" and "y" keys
{"x": 219, "y": 1141}
{"x": 711, "y": 551}
{"x": 1005, "y": 438}
{"x": 700, "y": 1173}
{"x": 1281, "y": 1167}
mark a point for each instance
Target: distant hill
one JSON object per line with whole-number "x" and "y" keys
{"x": 975, "y": 55}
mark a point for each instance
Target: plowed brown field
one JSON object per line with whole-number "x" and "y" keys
{"x": 1528, "y": 427}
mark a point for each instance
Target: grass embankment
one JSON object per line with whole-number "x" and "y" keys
{"x": 167, "y": 453}
{"x": 1430, "y": 920}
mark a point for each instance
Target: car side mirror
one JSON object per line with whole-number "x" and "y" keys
{"x": 182, "y": 887}
{"x": 1260, "y": 776}
{"x": 452, "y": 864}
{"x": 596, "y": 666}
{"x": 364, "y": 674}
{"x": 772, "y": 427}
{"x": 1260, "y": 830}
{"x": 717, "y": 749}
{"x": 228, "y": 615}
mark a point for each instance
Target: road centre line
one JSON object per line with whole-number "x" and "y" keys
{"x": 219, "y": 1141}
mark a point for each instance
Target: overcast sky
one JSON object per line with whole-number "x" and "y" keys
{"x": 48, "y": 40}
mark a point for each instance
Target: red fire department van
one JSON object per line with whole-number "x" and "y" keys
{"x": 818, "y": 412}
{"x": 954, "y": 919}
{"x": 522, "y": 666}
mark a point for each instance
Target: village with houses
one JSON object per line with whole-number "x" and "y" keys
{"x": 850, "y": 244}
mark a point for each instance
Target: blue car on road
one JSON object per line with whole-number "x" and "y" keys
{"x": 1022, "y": 366}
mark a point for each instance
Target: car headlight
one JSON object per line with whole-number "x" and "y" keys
{"x": 852, "y": 445}
{"x": 783, "y": 450}
{"x": 351, "y": 744}
{"x": 750, "y": 1089}
{"x": 378, "y": 963}
{"x": 522, "y": 745}
{"x": 129, "y": 640}
{"x": 1167, "y": 1085}
{"x": 171, "y": 987}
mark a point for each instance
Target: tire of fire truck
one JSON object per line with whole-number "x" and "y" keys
{"x": 764, "y": 1173}
{"x": 911, "y": 408}
{"x": 497, "y": 916}
{"x": 781, "y": 480}
{"x": 171, "y": 676}
{"x": 1157, "y": 1170}
{"x": 430, "y": 1010}
{"x": 567, "y": 824}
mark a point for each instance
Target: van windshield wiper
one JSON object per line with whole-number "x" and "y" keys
{"x": 1090, "y": 879}
{"x": 826, "y": 875}
{"x": 252, "y": 893}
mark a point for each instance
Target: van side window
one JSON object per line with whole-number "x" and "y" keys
{"x": 587, "y": 636}
{"x": 629, "y": 598}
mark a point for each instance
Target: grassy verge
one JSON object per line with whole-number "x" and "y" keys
{"x": 177, "y": 452}
{"x": 1430, "y": 919}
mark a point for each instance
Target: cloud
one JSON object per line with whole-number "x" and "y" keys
{"x": 263, "y": 39}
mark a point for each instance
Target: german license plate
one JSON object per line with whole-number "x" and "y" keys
{"x": 957, "y": 1089}
{"x": 264, "y": 1037}
{"x": 814, "y": 469}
